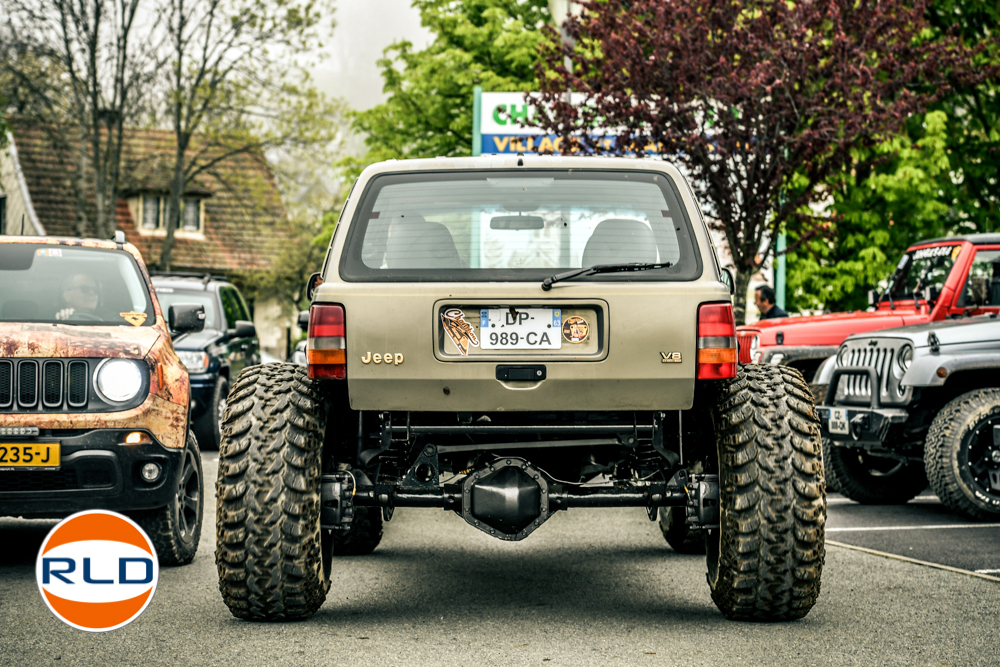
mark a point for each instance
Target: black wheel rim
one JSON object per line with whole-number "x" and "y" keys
{"x": 188, "y": 499}
{"x": 981, "y": 456}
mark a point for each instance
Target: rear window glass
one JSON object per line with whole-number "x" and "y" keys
{"x": 72, "y": 285}
{"x": 518, "y": 225}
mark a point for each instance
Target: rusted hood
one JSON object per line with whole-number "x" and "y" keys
{"x": 63, "y": 340}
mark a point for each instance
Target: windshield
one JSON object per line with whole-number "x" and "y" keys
{"x": 928, "y": 267}
{"x": 72, "y": 285}
{"x": 518, "y": 225}
{"x": 169, "y": 296}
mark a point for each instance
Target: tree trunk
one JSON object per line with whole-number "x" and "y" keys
{"x": 80, "y": 185}
{"x": 174, "y": 207}
{"x": 740, "y": 296}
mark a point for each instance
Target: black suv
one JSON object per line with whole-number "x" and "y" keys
{"x": 216, "y": 355}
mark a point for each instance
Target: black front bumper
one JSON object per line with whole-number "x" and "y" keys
{"x": 863, "y": 425}
{"x": 97, "y": 471}
{"x": 857, "y": 424}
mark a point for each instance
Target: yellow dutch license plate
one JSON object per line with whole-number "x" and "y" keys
{"x": 29, "y": 455}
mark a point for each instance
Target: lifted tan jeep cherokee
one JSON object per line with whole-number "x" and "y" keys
{"x": 507, "y": 338}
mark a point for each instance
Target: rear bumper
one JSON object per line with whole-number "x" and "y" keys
{"x": 97, "y": 471}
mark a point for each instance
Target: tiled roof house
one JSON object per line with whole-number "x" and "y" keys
{"x": 232, "y": 215}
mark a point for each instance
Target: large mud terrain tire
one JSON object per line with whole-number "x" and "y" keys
{"x": 766, "y": 558}
{"x": 871, "y": 480}
{"x": 962, "y": 455}
{"x": 273, "y": 558}
{"x": 363, "y": 536}
{"x": 678, "y": 535}
{"x": 176, "y": 529}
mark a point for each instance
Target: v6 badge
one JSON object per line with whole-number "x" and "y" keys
{"x": 670, "y": 357}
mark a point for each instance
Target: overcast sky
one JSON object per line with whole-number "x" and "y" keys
{"x": 364, "y": 29}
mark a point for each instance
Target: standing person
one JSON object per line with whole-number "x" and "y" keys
{"x": 764, "y": 299}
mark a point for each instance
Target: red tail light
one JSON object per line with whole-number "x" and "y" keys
{"x": 327, "y": 346}
{"x": 716, "y": 341}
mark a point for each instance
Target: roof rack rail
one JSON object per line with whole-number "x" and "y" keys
{"x": 204, "y": 277}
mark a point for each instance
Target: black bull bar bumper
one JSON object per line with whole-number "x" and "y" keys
{"x": 850, "y": 424}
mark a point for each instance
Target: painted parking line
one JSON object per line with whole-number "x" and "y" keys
{"x": 988, "y": 571}
{"x": 875, "y": 529}
{"x": 848, "y": 501}
{"x": 937, "y": 566}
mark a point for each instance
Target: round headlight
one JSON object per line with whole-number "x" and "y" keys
{"x": 905, "y": 357}
{"x": 118, "y": 380}
{"x": 842, "y": 356}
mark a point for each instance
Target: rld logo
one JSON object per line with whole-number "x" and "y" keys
{"x": 97, "y": 571}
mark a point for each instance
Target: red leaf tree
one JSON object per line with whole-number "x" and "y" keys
{"x": 759, "y": 101}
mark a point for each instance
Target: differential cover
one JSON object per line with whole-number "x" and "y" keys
{"x": 507, "y": 500}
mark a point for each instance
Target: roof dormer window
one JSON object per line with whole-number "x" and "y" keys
{"x": 153, "y": 213}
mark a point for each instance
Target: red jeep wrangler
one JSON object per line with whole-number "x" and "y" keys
{"x": 934, "y": 280}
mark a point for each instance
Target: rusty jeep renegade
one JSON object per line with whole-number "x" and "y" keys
{"x": 509, "y": 338}
{"x": 93, "y": 399}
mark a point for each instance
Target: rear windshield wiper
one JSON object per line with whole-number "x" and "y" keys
{"x": 602, "y": 268}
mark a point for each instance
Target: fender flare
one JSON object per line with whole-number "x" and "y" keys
{"x": 924, "y": 371}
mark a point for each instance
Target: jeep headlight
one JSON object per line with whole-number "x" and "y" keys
{"x": 195, "y": 362}
{"x": 905, "y": 357}
{"x": 118, "y": 380}
{"x": 755, "y": 352}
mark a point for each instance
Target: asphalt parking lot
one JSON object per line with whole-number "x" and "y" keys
{"x": 921, "y": 529}
{"x": 592, "y": 587}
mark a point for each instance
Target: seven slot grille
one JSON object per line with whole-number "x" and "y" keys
{"x": 882, "y": 357}
{"x": 53, "y": 383}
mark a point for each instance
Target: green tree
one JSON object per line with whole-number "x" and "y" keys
{"x": 4, "y": 127}
{"x": 937, "y": 177}
{"x": 488, "y": 43}
{"x": 238, "y": 84}
{"x": 878, "y": 213}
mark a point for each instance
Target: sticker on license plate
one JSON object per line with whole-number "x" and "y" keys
{"x": 520, "y": 328}
{"x": 838, "y": 421}
{"x": 29, "y": 455}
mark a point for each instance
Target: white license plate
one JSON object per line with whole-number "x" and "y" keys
{"x": 520, "y": 329}
{"x": 838, "y": 421}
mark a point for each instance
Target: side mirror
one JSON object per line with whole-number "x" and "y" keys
{"x": 185, "y": 318}
{"x": 244, "y": 329}
{"x": 727, "y": 279}
{"x": 872, "y": 297}
{"x": 303, "y": 320}
{"x": 315, "y": 280}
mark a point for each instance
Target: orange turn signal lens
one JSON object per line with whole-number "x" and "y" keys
{"x": 327, "y": 357}
{"x": 134, "y": 438}
{"x": 725, "y": 355}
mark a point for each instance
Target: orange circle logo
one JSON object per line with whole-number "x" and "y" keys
{"x": 97, "y": 571}
{"x": 575, "y": 329}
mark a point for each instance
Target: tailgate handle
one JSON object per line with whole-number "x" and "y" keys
{"x": 520, "y": 373}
